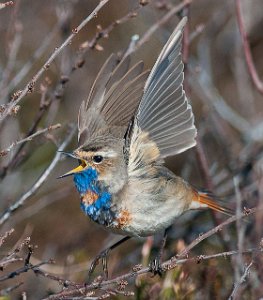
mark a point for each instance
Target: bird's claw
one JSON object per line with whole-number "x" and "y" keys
{"x": 103, "y": 257}
{"x": 156, "y": 267}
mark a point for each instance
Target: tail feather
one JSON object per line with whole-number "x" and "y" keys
{"x": 207, "y": 200}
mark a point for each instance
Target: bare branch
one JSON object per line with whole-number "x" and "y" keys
{"x": 24, "y": 269}
{"x": 5, "y": 236}
{"x": 30, "y": 85}
{"x": 215, "y": 230}
{"x": 241, "y": 281}
{"x": 173, "y": 11}
{"x": 168, "y": 265}
{"x": 240, "y": 230}
{"x": 27, "y": 66}
{"x": 249, "y": 60}
{"x": 7, "y": 213}
{"x": 4, "y": 5}
{"x": 29, "y": 138}
{"x": 13, "y": 257}
{"x": 10, "y": 289}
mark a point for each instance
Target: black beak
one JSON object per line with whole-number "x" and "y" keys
{"x": 70, "y": 154}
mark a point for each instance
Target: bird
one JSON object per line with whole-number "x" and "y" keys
{"x": 131, "y": 121}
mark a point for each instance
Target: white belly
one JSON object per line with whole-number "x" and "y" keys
{"x": 150, "y": 213}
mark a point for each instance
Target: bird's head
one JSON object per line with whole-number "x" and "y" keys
{"x": 105, "y": 157}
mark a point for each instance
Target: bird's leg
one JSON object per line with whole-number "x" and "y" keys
{"x": 155, "y": 264}
{"x": 103, "y": 256}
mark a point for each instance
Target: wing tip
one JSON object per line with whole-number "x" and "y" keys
{"x": 182, "y": 22}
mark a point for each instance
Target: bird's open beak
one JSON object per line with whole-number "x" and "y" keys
{"x": 77, "y": 169}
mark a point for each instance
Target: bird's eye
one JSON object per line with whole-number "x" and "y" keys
{"x": 97, "y": 159}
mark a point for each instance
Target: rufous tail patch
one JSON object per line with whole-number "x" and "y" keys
{"x": 206, "y": 199}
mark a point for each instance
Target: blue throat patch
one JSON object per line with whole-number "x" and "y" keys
{"x": 99, "y": 211}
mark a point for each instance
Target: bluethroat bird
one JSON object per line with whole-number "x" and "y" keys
{"x": 131, "y": 121}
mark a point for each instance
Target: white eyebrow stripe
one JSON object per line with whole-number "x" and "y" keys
{"x": 106, "y": 153}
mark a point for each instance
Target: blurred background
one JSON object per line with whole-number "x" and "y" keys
{"x": 228, "y": 159}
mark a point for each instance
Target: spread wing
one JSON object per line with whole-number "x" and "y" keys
{"x": 165, "y": 112}
{"x": 112, "y": 101}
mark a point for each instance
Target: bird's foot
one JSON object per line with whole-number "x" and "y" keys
{"x": 103, "y": 256}
{"x": 156, "y": 266}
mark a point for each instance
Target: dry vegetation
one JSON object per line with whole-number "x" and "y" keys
{"x": 50, "y": 53}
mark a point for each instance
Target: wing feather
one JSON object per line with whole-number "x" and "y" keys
{"x": 116, "y": 89}
{"x": 165, "y": 112}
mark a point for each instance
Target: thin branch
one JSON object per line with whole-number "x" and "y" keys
{"x": 8, "y": 109}
{"x": 215, "y": 230}
{"x": 174, "y": 10}
{"x": 240, "y": 282}
{"x": 29, "y": 138}
{"x": 168, "y": 265}
{"x": 61, "y": 281}
{"x": 24, "y": 269}
{"x": 28, "y": 65}
{"x": 104, "y": 33}
{"x": 79, "y": 60}
{"x": 240, "y": 228}
{"x": 64, "y": 79}
{"x": 10, "y": 289}
{"x": 5, "y": 236}
{"x": 11, "y": 61}
{"x": 4, "y": 5}
{"x": 203, "y": 163}
{"x": 247, "y": 51}
{"x": 44, "y": 105}
{"x": 40, "y": 204}
{"x": 7, "y": 213}
{"x": 12, "y": 256}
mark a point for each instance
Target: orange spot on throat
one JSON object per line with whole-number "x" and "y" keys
{"x": 89, "y": 197}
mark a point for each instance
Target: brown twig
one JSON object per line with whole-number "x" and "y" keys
{"x": 104, "y": 33}
{"x": 29, "y": 138}
{"x": 215, "y": 230}
{"x": 4, "y": 5}
{"x": 10, "y": 289}
{"x": 92, "y": 44}
{"x": 24, "y": 269}
{"x": 5, "y": 236}
{"x": 44, "y": 105}
{"x": 173, "y": 11}
{"x": 203, "y": 163}
{"x": 7, "y": 110}
{"x": 13, "y": 257}
{"x": 11, "y": 61}
{"x": 240, "y": 230}
{"x": 240, "y": 282}
{"x": 7, "y": 213}
{"x": 168, "y": 265}
{"x": 28, "y": 65}
{"x": 247, "y": 51}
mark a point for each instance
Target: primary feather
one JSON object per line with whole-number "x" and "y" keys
{"x": 164, "y": 111}
{"x": 113, "y": 100}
